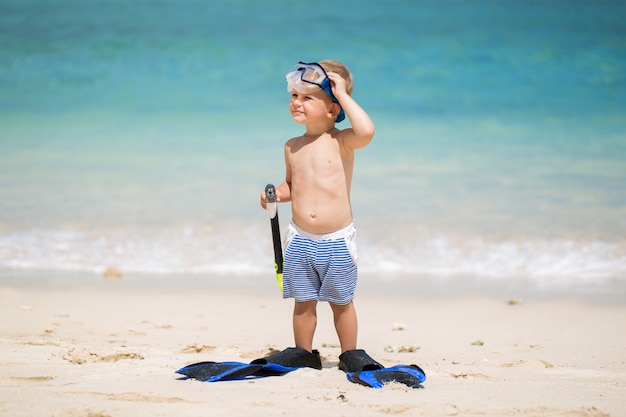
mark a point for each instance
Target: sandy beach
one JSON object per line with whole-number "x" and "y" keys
{"x": 110, "y": 348}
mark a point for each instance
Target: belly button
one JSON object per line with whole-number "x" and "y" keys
{"x": 313, "y": 215}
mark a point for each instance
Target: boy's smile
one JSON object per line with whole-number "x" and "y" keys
{"x": 312, "y": 106}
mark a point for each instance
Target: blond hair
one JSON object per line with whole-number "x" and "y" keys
{"x": 340, "y": 69}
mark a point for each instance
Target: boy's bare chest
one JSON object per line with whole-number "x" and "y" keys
{"x": 318, "y": 155}
{"x": 324, "y": 150}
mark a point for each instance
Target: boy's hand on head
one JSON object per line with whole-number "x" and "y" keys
{"x": 337, "y": 84}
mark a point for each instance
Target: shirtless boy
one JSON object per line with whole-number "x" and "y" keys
{"x": 320, "y": 243}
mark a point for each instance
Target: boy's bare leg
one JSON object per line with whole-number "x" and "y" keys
{"x": 346, "y": 325}
{"x": 304, "y": 323}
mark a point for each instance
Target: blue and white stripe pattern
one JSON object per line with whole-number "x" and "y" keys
{"x": 320, "y": 267}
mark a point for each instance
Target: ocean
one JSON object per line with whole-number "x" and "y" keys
{"x": 140, "y": 134}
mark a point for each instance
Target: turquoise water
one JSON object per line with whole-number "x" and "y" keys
{"x": 140, "y": 134}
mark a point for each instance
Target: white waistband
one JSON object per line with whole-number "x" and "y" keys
{"x": 339, "y": 234}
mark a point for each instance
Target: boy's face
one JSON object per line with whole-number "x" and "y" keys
{"x": 310, "y": 107}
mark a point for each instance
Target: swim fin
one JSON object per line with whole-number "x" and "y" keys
{"x": 276, "y": 364}
{"x": 361, "y": 368}
{"x": 219, "y": 371}
{"x": 410, "y": 375}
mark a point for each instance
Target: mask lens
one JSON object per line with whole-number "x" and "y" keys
{"x": 312, "y": 75}
{"x": 295, "y": 82}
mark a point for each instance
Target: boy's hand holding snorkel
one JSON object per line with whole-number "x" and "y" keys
{"x": 279, "y": 195}
{"x": 264, "y": 199}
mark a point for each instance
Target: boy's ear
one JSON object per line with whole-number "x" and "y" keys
{"x": 335, "y": 108}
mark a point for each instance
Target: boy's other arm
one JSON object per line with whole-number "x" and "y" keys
{"x": 283, "y": 191}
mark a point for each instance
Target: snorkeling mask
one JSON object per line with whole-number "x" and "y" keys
{"x": 306, "y": 78}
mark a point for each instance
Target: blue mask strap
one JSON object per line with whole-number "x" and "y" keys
{"x": 325, "y": 85}
{"x": 341, "y": 114}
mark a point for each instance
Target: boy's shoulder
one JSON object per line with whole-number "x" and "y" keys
{"x": 294, "y": 139}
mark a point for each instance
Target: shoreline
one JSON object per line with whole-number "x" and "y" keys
{"x": 410, "y": 286}
{"x": 110, "y": 349}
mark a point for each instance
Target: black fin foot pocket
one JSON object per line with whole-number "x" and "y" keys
{"x": 293, "y": 357}
{"x": 357, "y": 360}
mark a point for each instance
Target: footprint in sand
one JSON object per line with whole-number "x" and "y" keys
{"x": 528, "y": 363}
{"x": 82, "y": 356}
{"x": 74, "y": 412}
{"x": 32, "y": 378}
{"x": 254, "y": 354}
{"x": 198, "y": 348}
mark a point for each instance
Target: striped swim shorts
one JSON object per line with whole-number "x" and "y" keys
{"x": 320, "y": 267}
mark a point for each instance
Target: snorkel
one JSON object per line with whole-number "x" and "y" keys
{"x": 306, "y": 78}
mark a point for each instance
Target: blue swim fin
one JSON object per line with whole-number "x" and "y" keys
{"x": 361, "y": 368}
{"x": 276, "y": 364}
{"x": 409, "y": 375}
{"x": 219, "y": 371}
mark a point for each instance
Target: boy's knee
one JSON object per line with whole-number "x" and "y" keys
{"x": 338, "y": 308}
{"x": 303, "y": 307}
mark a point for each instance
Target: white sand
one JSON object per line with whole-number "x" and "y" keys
{"x": 111, "y": 349}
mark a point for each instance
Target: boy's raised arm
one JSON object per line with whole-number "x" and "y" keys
{"x": 362, "y": 130}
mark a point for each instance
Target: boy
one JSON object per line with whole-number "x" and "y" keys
{"x": 320, "y": 243}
